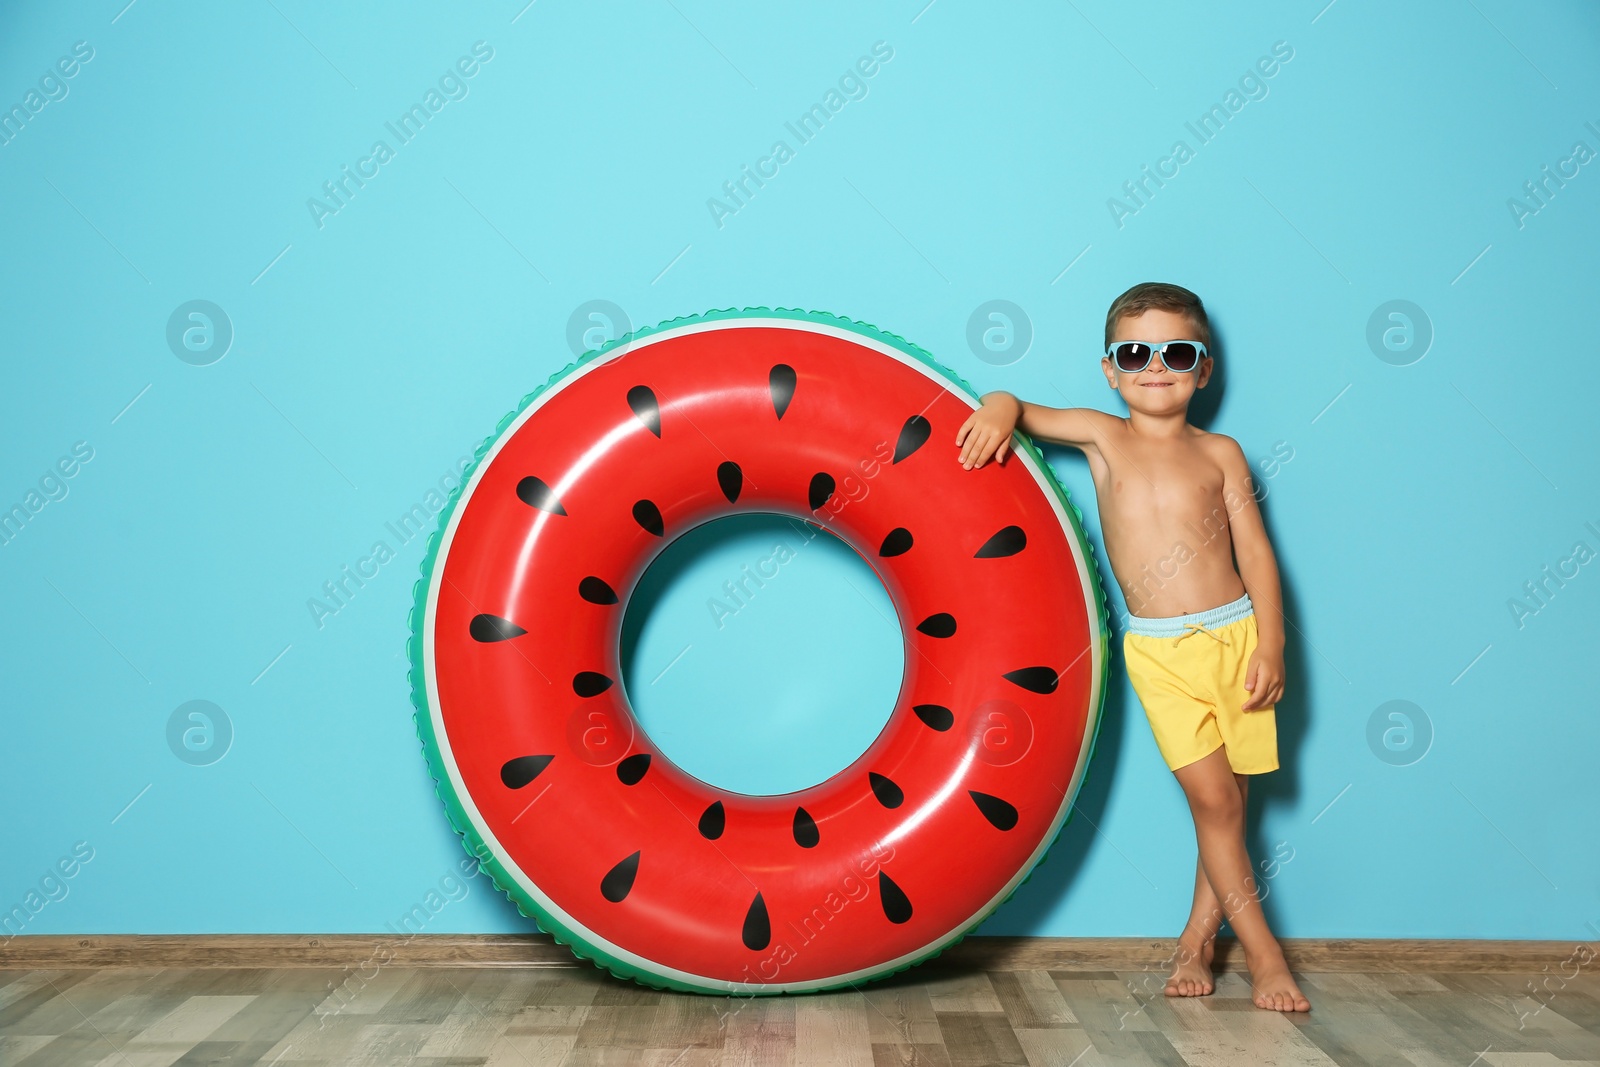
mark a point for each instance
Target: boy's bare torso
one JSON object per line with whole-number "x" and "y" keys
{"x": 1164, "y": 510}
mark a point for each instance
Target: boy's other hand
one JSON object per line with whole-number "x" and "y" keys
{"x": 1264, "y": 678}
{"x": 987, "y": 431}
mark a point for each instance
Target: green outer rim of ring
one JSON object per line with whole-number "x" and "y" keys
{"x": 473, "y": 842}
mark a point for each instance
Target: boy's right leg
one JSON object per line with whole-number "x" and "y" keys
{"x": 1218, "y": 809}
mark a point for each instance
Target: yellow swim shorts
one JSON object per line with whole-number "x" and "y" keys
{"x": 1189, "y": 673}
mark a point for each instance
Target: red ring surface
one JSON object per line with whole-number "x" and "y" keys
{"x": 690, "y": 897}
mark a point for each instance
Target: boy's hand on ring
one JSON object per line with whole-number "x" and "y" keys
{"x": 985, "y": 433}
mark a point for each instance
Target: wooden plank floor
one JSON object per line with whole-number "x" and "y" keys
{"x": 520, "y": 1017}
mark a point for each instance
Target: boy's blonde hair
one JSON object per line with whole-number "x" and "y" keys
{"x": 1163, "y": 297}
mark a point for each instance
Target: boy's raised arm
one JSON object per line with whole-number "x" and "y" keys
{"x": 987, "y": 431}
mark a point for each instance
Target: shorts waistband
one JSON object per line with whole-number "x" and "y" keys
{"x": 1177, "y": 625}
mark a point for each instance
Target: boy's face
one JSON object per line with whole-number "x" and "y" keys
{"x": 1156, "y": 390}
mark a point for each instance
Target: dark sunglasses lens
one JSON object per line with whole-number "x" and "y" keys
{"x": 1181, "y": 357}
{"x": 1132, "y": 357}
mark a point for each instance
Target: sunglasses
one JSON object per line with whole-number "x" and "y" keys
{"x": 1131, "y": 357}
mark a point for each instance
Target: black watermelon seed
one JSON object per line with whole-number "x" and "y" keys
{"x": 618, "y": 881}
{"x": 898, "y": 541}
{"x": 821, "y": 489}
{"x": 630, "y": 770}
{"x": 596, "y": 591}
{"x": 1008, "y": 542}
{"x": 937, "y": 716}
{"x": 534, "y": 493}
{"x": 913, "y": 435}
{"x": 941, "y": 625}
{"x": 646, "y": 514}
{"x": 643, "y": 402}
{"x": 888, "y": 794}
{"x": 1034, "y": 679}
{"x": 757, "y": 931}
{"x": 489, "y": 628}
{"x": 1002, "y": 815}
{"x": 896, "y": 905}
{"x": 731, "y": 479}
{"x": 780, "y": 383}
{"x": 806, "y": 834}
{"x": 713, "y": 821}
{"x": 518, "y": 772}
{"x": 590, "y": 683}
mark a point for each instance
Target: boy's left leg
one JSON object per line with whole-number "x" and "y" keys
{"x": 1218, "y": 808}
{"x": 1191, "y": 973}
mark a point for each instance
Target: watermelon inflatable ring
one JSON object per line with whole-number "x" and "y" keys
{"x": 621, "y": 855}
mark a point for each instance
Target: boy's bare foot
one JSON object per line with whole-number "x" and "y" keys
{"x": 1272, "y": 987}
{"x": 1192, "y": 975}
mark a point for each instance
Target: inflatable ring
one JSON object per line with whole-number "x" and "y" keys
{"x": 614, "y": 850}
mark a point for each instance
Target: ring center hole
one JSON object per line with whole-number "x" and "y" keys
{"x": 761, "y": 654}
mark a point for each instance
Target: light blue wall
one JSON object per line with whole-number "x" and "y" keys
{"x": 370, "y": 352}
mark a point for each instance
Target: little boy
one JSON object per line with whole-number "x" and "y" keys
{"x": 1177, "y": 509}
